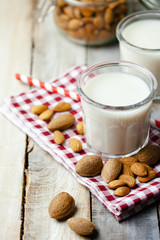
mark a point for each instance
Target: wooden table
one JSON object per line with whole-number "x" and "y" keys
{"x": 29, "y": 177}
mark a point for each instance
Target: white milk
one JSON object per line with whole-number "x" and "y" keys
{"x": 116, "y": 132}
{"x": 143, "y": 34}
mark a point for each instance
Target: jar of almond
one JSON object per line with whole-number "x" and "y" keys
{"x": 90, "y": 22}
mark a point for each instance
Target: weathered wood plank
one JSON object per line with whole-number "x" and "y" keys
{"x": 15, "y": 45}
{"x": 53, "y": 55}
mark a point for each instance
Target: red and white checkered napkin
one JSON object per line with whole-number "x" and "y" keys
{"x": 17, "y": 110}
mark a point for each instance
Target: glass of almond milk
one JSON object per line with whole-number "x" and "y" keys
{"x": 139, "y": 40}
{"x": 116, "y": 100}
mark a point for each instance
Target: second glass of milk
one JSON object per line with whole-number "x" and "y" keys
{"x": 116, "y": 100}
{"x": 139, "y": 38}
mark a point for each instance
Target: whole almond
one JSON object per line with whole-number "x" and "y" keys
{"x": 138, "y": 169}
{"x": 75, "y": 145}
{"x": 150, "y": 176}
{"x": 122, "y": 191}
{"x": 116, "y": 184}
{"x": 111, "y": 170}
{"x": 74, "y": 24}
{"x": 61, "y": 205}
{"x": 80, "y": 128}
{"x": 81, "y": 226}
{"x": 149, "y": 154}
{"x": 128, "y": 160}
{"x": 38, "y": 109}
{"x": 89, "y": 166}
{"x": 129, "y": 180}
{"x": 147, "y": 166}
{"x": 61, "y": 122}
{"x": 127, "y": 170}
{"x": 46, "y": 115}
{"x": 58, "y": 137}
{"x": 62, "y": 107}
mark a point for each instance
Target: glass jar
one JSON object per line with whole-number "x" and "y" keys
{"x": 90, "y": 22}
{"x": 151, "y": 4}
{"x": 122, "y": 127}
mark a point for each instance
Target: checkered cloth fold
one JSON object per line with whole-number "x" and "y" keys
{"x": 17, "y": 110}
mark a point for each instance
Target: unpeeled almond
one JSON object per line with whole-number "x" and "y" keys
{"x": 122, "y": 191}
{"x": 62, "y": 107}
{"x": 80, "y": 128}
{"x": 81, "y": 226}
{"x": 38, "y": 109}
{"x": 46, "y": 115}
{"x": 111, "y": 170}
{"x": 58, "y": 137}
{"x": 138, "y": 169}
{"x": 75, "y": 145}
{"x": 61, "y": 122}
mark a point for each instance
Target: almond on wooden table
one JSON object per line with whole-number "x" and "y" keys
{"x": 138, "y": 169}
{"x": 46, "y": 115}
{"x": 62, "y": 107}
{"x": 61, "y": 205}
{"x": 89, "y": 166}
{"x": 81, "y": 226}
{"x": 38, "y": 109}
{"x": 61, "y": 122}
{"x": 58, "y": 137}
{"x": 75, "y": 145}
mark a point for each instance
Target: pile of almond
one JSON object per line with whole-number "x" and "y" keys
{"x": 92, "y": 23}
{"x": 121, "y": 174}
{"x": 60, "y": 123}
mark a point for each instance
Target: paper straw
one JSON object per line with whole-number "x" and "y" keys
{"x": 48, "y": 86}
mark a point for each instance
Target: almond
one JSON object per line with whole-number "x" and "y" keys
{"x": 38, "y": 109}
{"x": 149, "y": 154}
{"x": 116, "y": 184}
{"x": 81, "y": 226}
{"x": 74, "y": 24}
{"x": 80, "y": 128}
{"x": 138, "y": 169}
{"x": 150, "y": 176}
{"x": 61, "y": 205}
{"x": 89, "y": 166}
{"x": 147, "y": 166}
{"x": 58, "y": 137}
{"x": 127, "y": 170}
{"x": 46, "y": 115}
{"x": 129, "y": 180}
{"x": 61, "y": 122}
{"x": 128, "y": 160}
{"x": 75, "y": 145}
{"x": 122, "y": 191}
{"x": 62, "y": 107}
{"x": 111, "y": 170}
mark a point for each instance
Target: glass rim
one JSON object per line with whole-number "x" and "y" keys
{"x": 134, "y": 17}
{"x": 100, "y": 3}
{"x": 119, "y": 63}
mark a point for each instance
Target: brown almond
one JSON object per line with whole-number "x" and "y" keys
{"x": 38, "y": 109}
{"x": 61, "y": 122}
{"x": 150, "y": 176}
{"x": 74, "y": 24}
{"x": 81, "y": 226}
{"x": 111, "y": 170}
{"x": 86, "y": 12}
{"x": 138, "y": 169}
{"x": 116, "y": 184}
{"x": 129, "y": 180}
{"x": 68, "y": 10}
{"x": 149, "y": 154}
{"x": 122, "y": 191}
{"x": 46, "y": 115}
{"x": 98, "y": 21}
{"x": 127, "y": 170}
{"x": 80, "y": 128}
{"x": 128, "y": 160}
{"x": 58, "y": 137}
{"x": 75, "y": 145}
{"x": 147, "y": 166}
{"x": 108, "y": 16}
{"x": 89, "y": 166}
{"x": 62, "y": 107}
{"x": 61, "y": 205}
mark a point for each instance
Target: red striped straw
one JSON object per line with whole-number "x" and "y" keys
{"x": 48, "y": 86}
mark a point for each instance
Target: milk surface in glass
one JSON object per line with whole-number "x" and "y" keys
{"x": 145, "y": 35}
{"x": 116, "y": 132}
